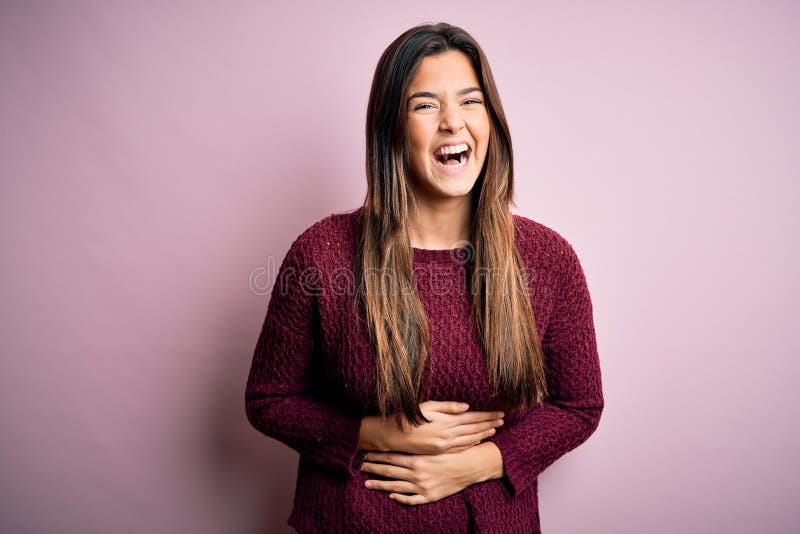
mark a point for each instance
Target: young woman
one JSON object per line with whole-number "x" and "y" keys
{"x": 429, "y": 353}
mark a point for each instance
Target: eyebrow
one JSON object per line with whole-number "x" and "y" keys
{"x": 427, "y": 94}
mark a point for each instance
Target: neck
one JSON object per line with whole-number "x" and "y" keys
{"x": 443, "y": 224}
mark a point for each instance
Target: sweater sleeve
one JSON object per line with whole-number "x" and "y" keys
{"x": 571, "y": 413}
{"x": 278, "y": 402}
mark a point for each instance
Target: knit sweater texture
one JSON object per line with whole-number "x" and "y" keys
{"x": 313, "y": 378}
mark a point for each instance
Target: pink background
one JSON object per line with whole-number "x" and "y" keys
{"x": 158, "y": 160}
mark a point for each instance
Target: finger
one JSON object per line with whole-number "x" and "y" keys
{"x": 471, "y": 439}
{"x": 476, "y": 428}
{"x": 460, "y": 448}
{"x": 408, "y": 499}
{"x": 395, "y": 458}
{"x": 446, "y": 406}
{"x": 388, "y": 471}
{"x": 476, "y": 417}
{"x": 395, "y": 486}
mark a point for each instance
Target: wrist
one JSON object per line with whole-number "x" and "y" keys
{"x": 373, "y": 434}
{"x": 487, "y": 460}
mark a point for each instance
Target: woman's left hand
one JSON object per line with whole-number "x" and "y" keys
{"x": 427, "y": 478}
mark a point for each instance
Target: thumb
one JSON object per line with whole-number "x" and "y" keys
{"x": 448, "y": 406}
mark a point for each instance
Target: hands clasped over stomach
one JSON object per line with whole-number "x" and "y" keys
{"x": 451, "y": 429}
{"x": 431, "y": 461}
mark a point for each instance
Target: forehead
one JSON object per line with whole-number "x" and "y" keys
{"x": 451, "y": 69}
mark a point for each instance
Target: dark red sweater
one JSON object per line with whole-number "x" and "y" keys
{"x": 313, "y": 379}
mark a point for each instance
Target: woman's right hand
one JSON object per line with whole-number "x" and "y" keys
{"x": 451, "y": 429}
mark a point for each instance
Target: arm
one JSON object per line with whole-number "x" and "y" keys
{"x": 276, "y": 401}
{"x": 532, "y": 442}
{"x": 487, "y": 461}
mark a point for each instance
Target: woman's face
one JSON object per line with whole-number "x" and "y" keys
{"x": 446, "y": 107}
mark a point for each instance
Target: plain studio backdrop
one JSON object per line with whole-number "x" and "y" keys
{"x": 158, "y": 158}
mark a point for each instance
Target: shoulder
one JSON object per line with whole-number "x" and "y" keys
{"x": 325, "y": 239}
{"x": 536, "y": 239}
{"x": 551, "y": 255}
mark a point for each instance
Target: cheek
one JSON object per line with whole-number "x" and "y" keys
{"x": 417, "y": 132}
{"x": 419, "y": 150}
{"x": 482, "y": 128}
{"x": 418, "y": 155}
{"x": 487, "y": 128}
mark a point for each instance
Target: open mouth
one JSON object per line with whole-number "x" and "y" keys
{"x": 453, "y": 160}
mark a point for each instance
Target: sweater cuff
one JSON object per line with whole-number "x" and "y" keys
{"x": 514, "y": 478}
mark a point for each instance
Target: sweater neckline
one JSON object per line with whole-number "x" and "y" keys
{"x": 457, "y": 256}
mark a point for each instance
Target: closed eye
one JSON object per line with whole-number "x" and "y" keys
{"x": 426, "y": 106}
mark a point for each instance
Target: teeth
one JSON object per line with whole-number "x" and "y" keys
{"x": 454, "y": 149}
{"x": 461, "y": 160}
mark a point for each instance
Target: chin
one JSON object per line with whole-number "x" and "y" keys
{"x": 447, "y": 187}
{"x": 456, "y": 190}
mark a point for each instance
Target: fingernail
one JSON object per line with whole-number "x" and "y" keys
{"x": 499, "y": 422}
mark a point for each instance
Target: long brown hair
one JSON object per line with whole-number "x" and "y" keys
{"x": 395, "y": 317}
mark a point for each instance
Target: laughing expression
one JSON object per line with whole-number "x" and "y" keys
{"x": 448, "y": 126}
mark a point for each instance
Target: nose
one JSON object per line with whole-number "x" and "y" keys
{"x": 451, "y": 120}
